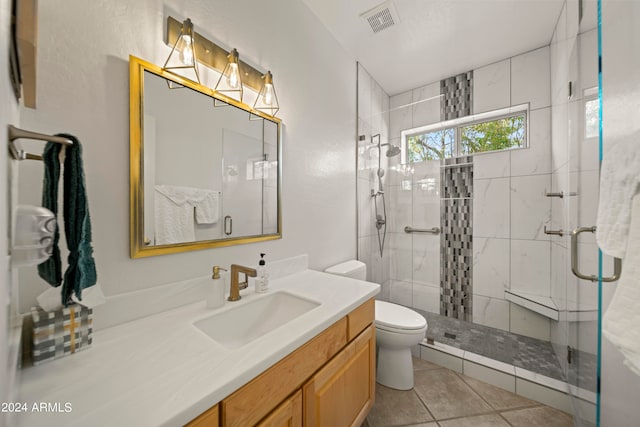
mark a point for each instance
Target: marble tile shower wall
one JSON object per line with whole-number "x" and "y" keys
{"x": 415, "y": 201}
{"x": 415, "y": 258}
{"x": 510, "y": 250}
{"x": 373, "y": 119}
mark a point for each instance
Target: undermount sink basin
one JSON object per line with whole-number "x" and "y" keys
{"x": 246, "y": 322}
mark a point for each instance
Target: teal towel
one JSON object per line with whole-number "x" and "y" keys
{"x": 81, "y": 272}
{"x": 51, "y": 269}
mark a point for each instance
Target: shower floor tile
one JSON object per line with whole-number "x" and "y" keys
{"x": 523, "y": 352}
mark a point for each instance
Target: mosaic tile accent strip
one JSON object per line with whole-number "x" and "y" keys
{"x": 456, "y": 239}
{"x": 458, "y": 96}
{"x": 456, "y": 178}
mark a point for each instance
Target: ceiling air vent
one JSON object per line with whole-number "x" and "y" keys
{"x": 381, "y": 17}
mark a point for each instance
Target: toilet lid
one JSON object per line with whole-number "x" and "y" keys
{"x": 398, "y": 317}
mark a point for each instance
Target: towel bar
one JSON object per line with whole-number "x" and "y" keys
{"x": 16, "y": 133}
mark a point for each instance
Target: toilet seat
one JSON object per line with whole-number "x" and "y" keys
{"x": 396, "y": 318}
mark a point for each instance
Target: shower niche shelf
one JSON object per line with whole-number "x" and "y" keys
{"x": 545, "y": 306}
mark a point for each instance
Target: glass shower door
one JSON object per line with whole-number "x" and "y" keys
{"x": 579, "y": 182}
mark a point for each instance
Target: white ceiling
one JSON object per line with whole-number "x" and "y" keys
{"x": 437, "y": 38}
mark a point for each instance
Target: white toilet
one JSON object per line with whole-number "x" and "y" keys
{"x": 398, "y": 329}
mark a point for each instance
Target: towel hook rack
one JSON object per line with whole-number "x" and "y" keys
{"x": 16, "y": 133}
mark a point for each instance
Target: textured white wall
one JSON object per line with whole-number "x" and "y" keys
{"x": 8, "y": 115}
{"x": 83, "y": 89}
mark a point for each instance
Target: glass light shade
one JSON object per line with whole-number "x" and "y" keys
{"x": 267, "y": 101}
{"x": 230, "y": 81}
{"x": 185, "y": 45}
{"x": 182, "y": 59}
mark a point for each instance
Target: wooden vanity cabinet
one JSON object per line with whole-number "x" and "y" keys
{"x": 210, "y": 418}
{"x": 343, "y": 391}
{"x": 251, "y": 403}
{"x": 328, "y": 381}
{"x": 288, "y": 414}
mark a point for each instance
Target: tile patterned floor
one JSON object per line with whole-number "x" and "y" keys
{"x": 444, "y": 398}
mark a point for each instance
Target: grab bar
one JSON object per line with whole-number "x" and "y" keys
{"x": 16, "y": 133}
{"x": 434, "y": 230}
{"x": 617, "y": 262}
{"x": 560, "y": 194}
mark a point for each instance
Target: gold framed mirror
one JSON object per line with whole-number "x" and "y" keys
{"x": 201, "y": 176}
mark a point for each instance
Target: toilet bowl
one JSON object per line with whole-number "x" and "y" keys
{"x": 398, "y": 329}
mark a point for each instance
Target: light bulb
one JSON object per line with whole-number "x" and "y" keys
{"x": 234, "y": 77}
{"x": 267, "y": 97}
{"x": 186, "y": 54}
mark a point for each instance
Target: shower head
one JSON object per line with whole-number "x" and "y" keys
{"x": 393, "y": 151}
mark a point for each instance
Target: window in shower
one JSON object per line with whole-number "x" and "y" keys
{"x": 591, "y": 113}
{"x": 493, "y": 135}
{"x": 436, "y": 145}
{"x": 504, "y": 129}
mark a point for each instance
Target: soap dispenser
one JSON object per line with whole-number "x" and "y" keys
{"x": 262, "y": 279}
{"x": 215, "y": 295}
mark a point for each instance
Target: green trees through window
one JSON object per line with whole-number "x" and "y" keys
{"x": 431, "y": 146}
{"x": 499, "y": 134}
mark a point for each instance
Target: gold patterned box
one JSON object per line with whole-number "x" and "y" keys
{"x": 60, "y": 332}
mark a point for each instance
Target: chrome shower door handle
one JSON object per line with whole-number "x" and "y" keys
{"x": 617, "y": 262}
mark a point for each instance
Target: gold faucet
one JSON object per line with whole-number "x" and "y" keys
{"x": 236, "y": 285}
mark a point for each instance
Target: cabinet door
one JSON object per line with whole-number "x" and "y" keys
{"x": 342, "y": 392}
{"x": 257, "y": 399}
{"x": 210, "y": 418}
{"x": 288, "y": 414}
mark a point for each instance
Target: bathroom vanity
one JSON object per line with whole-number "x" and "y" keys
{"x": 162, "y": 370}
{"x": 332, "y": 377}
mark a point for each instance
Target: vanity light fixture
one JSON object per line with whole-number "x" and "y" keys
{"x": 183, "y": 56}
{"x": 267, "y": 101}
{"x": 230, "y": 82}
{"x": 235, "y": 73}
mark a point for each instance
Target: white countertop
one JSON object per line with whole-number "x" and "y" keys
{"x": 162, "y": 371}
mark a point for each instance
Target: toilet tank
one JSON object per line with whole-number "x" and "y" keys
{"x": 353, "y": 268}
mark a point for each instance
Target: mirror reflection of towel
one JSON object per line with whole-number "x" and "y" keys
{"x": 174, "y": 212}
{"x": 173, "y": 220}
{"x": 207, "y": 210}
